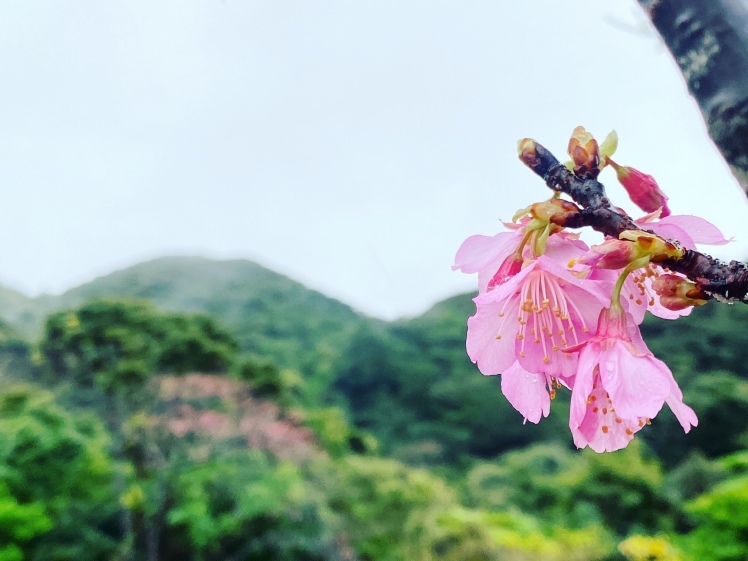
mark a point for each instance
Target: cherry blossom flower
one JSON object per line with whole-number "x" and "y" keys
{"x": 532, "y": 317}
{"x": 619, "y": 386}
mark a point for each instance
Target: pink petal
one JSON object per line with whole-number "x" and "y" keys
{"x": 484, "y": 254}
{"x": 478, "y": 251}
{"x": 602, "y": 429}
{"x": 527, "y": 392}
{"x": 685, "y": 415}
{"x": 638, "y": 385}
{"x": 563, "y": 247}
{"x": 583, "y": 384}
{"x": 560, "y": 363}
{"x": 672, "y": 232}
{"x": 700, "y": 230}
{"x": 492, "y": 355}
{"x": 565, "y": 274}
{"x": 634, "y": 301}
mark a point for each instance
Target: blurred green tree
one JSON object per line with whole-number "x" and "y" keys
{"x": 56, "y": 482}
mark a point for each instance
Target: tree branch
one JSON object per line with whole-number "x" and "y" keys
{"x": 726, "y": 282}
{"x": 709, "y": 41}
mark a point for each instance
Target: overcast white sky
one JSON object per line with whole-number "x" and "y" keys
{"x": 351, "y": 145}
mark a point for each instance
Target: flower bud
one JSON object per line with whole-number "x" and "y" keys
{"x": 554, "y": 210}
{"x": 642, "y": 189}
{"x": 508, "y": 268}
{"x": 677, "y": 293}
{"x": 527, "y": 152}
{"x": 584, "y": 151}
{"x": 612, "y": 254}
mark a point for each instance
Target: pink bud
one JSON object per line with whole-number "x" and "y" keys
{"x": 611, "y": 254}
{"x": 508, "y": 268}
{"x": 677, "y": 293}
{"x": 642, "y": 188}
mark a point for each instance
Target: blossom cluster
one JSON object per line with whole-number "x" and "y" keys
{"x": 554, "y": 313}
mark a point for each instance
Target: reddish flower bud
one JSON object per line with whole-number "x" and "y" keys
{"x": 508, "y": 268}
{"x": 677, "y": 293}
{"x": 642, "y": 189}
{"x": 612, "y": 254}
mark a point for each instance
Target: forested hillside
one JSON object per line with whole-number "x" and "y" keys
{"x": 198, "y": 409}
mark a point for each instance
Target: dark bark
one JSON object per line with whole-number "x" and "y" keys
{"x": 723, "y": 281}
{"x": 709, "y": 41}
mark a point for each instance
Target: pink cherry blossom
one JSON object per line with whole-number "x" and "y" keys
{"x": 620, "y": 386}
{"x": 532, "y": 317}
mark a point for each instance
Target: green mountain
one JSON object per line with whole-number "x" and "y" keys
{"x": 269, "y": 314}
